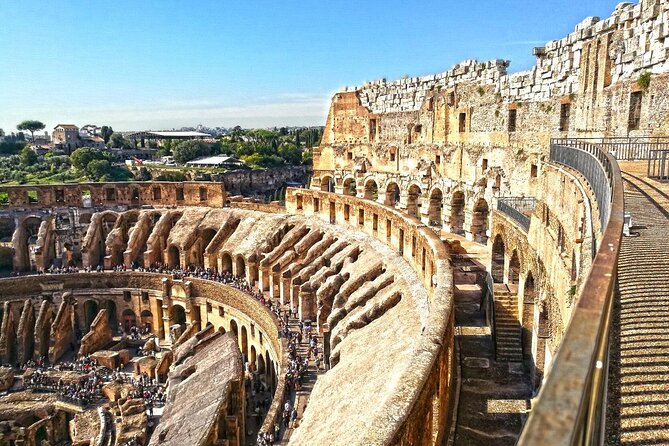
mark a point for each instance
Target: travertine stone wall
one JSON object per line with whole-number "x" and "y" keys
{"x": 478, "y": 132}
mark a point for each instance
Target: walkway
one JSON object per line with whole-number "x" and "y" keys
{"x": 638, "y": 406}
{"x": 493, "y": 395}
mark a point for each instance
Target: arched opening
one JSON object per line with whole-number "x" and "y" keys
{"x": 371, "y": 190}
{"x": 392, "y": 195}
{"x": 205, "y": 238}
{"x": 91, "y": 310}
{"x": 252, "y": 359}
{"x": 233, "y": 328}
{"x": 457, "y": 219}
{"x": 514, "y": 268}
{"x": 327, "y": 184}
{"x": 26, "y": 255}
{"x": 479, "y": 225}
{"x": 413, "y": 201}
{"x": 178, "y": 316}
{"x": 147, "y": 320}
{"x": 173, "y": 257}
{"x": 112, "y": 318}
{"x": 7, "y": 228}
{"x": 543, "y": 333}
{"x": 528, "y": 319}
{"x": 245, "y": 343}
{"x": 261, "y": 365}
{"x": 240, "y": 267}
{"x": 349, "y": 187}
{"x": 41, "y": 434}
{"x": 497, "y": 260}
{"x": 129, "y": 320}
{"x": 226, "y": 263}
{"x": 435, "y": 207}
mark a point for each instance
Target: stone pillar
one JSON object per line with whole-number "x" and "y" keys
{"x": 284, "y": 292}
{"x": 307, "y": 304}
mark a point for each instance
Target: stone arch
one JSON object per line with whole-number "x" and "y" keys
{"x": 234, "y": 328}
{"x": 261, "y": 365}
{"x": 349, "y": 187}
{"x": 129, "y": 319}
{"x": 327, "y": 184}
{"x": 147, "y": 320}
{"x": 226, "y": 263}
{"x": 413, "y": 201}
{"x": 527, "y": 323}
{"x": 41, "y": 435}
{"x": 457, "y": 217}
{"x": 244, "y": 339}
{"x": 7, "y": 229}
{"x": 392, "y": 194}
{"x": 91, "y": 310}
{"x": 178, "y": 316}
{"x": 206, "y": 236}
{"x": 240, "y": 266}
{"x": 497, "y": 260}
{"x": 29, "y": 229}
{"x": 112, "y": 317}
{"x": 268, "y": 365}
{"x": 173, "y": 256}
{"x": 434, "y": 209}
{"x": 371, "y": 190}
{"x": 514, "y": 268}
{"x": 479, "y": 225}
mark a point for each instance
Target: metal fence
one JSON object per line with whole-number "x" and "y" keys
{"x": 658, "y": 164}
{"x": 571, "y": 406}
{"x": 590, "y": 160}
{"x": 518, "y": 208}
{"x": 628, "y": 148}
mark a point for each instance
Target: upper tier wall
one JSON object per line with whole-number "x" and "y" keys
{"x": 638, "y": 44}
{"x": 157, "y": 193}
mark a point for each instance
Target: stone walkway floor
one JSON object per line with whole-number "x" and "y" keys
{"x": 638, "y": 405}
{"x": 493, "y": 395}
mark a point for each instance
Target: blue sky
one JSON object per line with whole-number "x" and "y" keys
{"x": 170, "y": 63}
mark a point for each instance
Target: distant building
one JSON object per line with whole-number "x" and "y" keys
{"x": 69, "y": 137}
{"x": 222, "y": 161}
{"x": 66, "y": 137}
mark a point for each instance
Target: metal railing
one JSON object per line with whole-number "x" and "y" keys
{"x": 571, "y": 407}
{"x": 518, "y": 208}
{"x": 594, "y": 163}
{"x": 658, "y": 164}
{"x": 628, "y": 148}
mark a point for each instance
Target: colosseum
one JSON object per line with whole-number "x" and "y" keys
{"x": 480, "y": 257}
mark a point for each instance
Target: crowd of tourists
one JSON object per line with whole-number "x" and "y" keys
{"x": 83, "y": 392}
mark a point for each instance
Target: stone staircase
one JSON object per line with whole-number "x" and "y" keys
{"x": 508, "y": 341}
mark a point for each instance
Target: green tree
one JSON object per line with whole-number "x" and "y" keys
{"x": 189, "y": 150}
{"x": 80, "y": 158}
{"x": 97, "y": 169}
{"x": 11, "y": 147}
{"x": 106, "y": 132}
{"x": 28, "y": 156}
{"x": 117, "y": 141}
{"x": 31, "y": 126}
{"x": 290, "y": 154}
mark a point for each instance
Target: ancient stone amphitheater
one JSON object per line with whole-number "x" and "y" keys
{"x": 480, "y": 258}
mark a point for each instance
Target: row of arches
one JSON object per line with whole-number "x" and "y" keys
{"x": 507, "y": 267}
{"x": 92, "y": 307}
{"x": 436, "y": 213}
